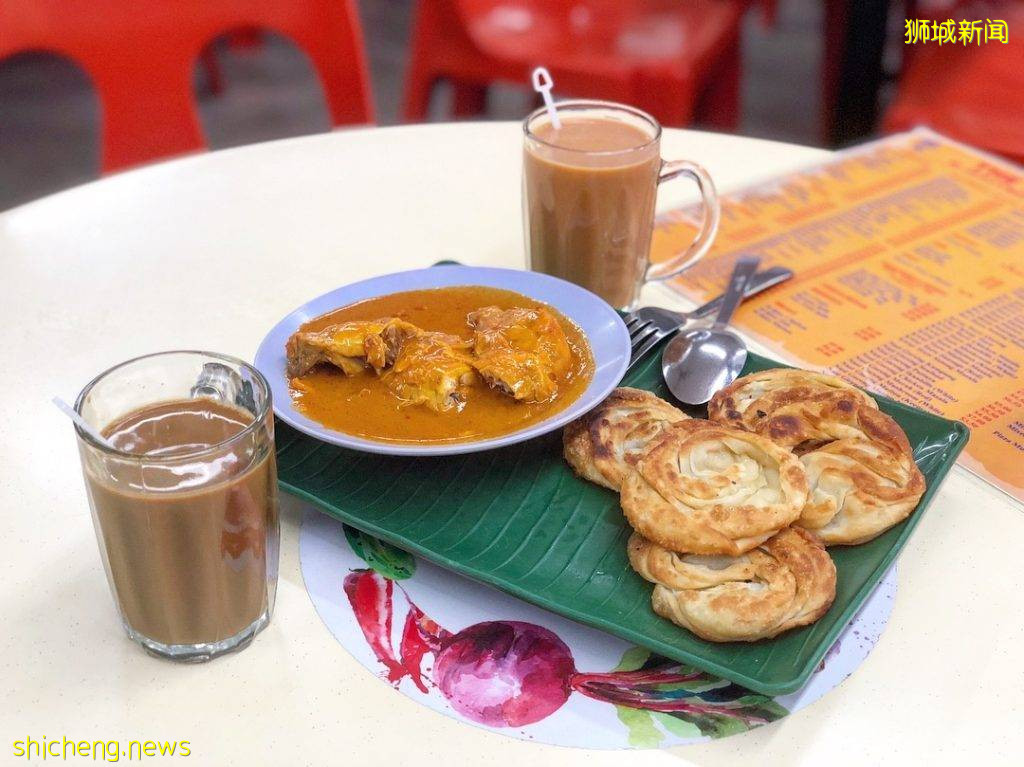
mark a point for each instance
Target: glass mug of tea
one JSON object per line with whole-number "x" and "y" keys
{"x": 589, "y": 189}
{"x": 183, "y": 492}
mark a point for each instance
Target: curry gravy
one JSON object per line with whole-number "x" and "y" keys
{"x": 362, "y": 406}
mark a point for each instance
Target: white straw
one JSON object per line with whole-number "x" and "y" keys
{"x": 542, "y": 83}
{"x": 71, "y": 413}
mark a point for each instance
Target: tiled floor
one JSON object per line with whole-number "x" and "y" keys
{"x": 48, "y": 113}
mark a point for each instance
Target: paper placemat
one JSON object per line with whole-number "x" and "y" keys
{"x": 485, "y": 658}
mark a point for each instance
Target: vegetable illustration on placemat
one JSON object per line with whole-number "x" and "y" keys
{"x": 514, "y": 673}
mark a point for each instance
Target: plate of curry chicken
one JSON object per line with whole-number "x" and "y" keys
{"x": 444, "y": 360}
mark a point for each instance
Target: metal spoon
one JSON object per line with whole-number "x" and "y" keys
{"x": 699, "y": 362}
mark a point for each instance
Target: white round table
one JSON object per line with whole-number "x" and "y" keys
{"x": 208, "y": 252}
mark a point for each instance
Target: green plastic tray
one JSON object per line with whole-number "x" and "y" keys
{"x": 520, "y": 520}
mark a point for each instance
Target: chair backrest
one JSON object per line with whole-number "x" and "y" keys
{"x": 140, "y": 56}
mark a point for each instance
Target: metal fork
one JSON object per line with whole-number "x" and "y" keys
{"x": 651, "y": 324}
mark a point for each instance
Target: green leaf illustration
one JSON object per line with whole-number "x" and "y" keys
{"x": 688, "y": 708}
{"x": 763, "y": 705}
{"x": 640, "y": 723}
{"x": 676, "y": 726}
{"x": 722, "y": 726}
{"x": 719, "y": 719}
{"x": 388, "y": 560}
{"x": 632, "y": 659}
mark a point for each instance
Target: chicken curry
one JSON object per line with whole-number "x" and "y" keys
{"x": 441, "y": 365}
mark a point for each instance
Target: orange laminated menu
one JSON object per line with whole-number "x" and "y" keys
{"x": 909, "y": 262}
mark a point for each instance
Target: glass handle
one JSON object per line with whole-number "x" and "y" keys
{"x": 709, "y": 225}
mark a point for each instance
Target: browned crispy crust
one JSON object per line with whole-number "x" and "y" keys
{"x": 705, "y": 488}
{"x": 751, "y": 399}
{"x": 860, "y": 466}
{"x": 859, "y": 488}
{"x": 578, "y": 450}
{"x": 605, "y": 443}
{"x": 787, "y": 581}
{"x": 823, "y": 418}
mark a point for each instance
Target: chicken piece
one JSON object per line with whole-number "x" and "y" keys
{"x": 432, "y": 369}
{"x": 520, "y": 351}
{"x": 348, "y": 346}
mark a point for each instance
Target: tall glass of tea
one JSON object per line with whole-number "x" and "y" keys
{"x": 589, "y": 189}
{"x": 183, "y": 491}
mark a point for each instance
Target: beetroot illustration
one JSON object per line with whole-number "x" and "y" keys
{"x": 514, "y": 673}
{"x": 504, "y": 673}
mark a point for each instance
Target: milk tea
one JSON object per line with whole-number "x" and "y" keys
{"x": 589, "y": 195}
{"x": 185, "y": 533}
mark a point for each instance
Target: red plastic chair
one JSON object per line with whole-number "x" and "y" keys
{"x": 676, "y": 60}
{"x": 971, "y": 93}
{"x": 140, "y": 56}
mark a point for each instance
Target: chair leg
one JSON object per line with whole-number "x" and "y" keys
{"x": 854, "y": 47}
{"x": 468, "y": 99}
{"x": 719, "y": 106}
{"x": 212, "y": 70}
{"x": 168, "y": 125}
{"x": 669, "y": 101}
{"x": 418, "y": 89}
{"x": 834, "y": 25}
{"x": 420, "y": 78}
